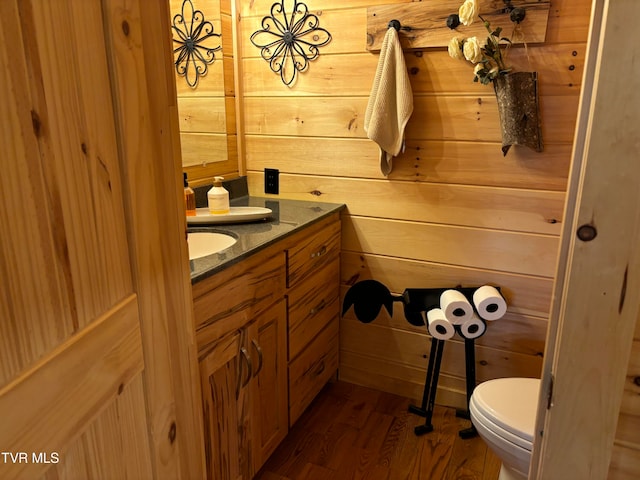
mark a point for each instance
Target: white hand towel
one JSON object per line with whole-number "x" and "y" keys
{"x": 391, "y": 101}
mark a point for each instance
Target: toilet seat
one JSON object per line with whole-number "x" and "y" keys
{"x": 507, "y": 407}
{"x": 498, "y": 433}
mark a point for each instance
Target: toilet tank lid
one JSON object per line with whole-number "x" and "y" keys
{"x": 511, "y": 403}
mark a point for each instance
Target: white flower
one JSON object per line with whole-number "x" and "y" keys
{"x": 477, "y": 68}
{"x": 472, "y": 50}
{"x": 468, "y": 12}
{"x": 455, "y": 49}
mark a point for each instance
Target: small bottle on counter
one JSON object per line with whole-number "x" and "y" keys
{"x": 189, "y": 197}
{"x": 218, "y": 198}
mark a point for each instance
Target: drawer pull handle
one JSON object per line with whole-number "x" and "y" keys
{"x": 259, "y": 350}
{"x": 320, "y": 252}
{"x": 318, "y": 307}
{"x": 247, "y": 359}
{"x": 320, "y": 369}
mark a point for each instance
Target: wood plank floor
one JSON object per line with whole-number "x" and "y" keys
{"x": 351, "y": 433}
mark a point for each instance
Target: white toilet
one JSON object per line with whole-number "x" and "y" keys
{"x": 504, "y": 413}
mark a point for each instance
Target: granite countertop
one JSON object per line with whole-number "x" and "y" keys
{"x": 288, "y": 217}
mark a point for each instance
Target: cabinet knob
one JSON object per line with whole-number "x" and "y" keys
{"x": 320, "y": 252}
{"x": 247, "y": 358}
{"x": 319, "y": 369}
{"x": 259, "y": 351}
{"x": 317, "y": 308}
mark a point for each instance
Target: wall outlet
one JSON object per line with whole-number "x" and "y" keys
{"x": 271, "y": 180}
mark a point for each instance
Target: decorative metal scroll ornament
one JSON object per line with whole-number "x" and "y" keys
{"x": 197, "y": 43}
{"x": 290, "y": 42}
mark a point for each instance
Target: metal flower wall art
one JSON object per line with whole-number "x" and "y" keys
{"x": 289, "y": 41}
{"x": 196, "y": 43}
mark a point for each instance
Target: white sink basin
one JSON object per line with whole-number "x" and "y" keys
{"x": 202, "y": 244}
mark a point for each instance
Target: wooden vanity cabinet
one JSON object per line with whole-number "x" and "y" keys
{"x": 267, "y": 335}
{"x": 313, "y": 273}
{"x": 244, "y": 396}
{"x": 241, "y": 323}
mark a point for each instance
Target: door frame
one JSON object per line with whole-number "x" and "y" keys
{"x": 597, "y": 290}
{"x": 139, "y": 48}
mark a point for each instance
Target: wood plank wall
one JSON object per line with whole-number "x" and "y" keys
{"x": 625, "y": 460}
{"x": 207, "y": 112}
{"x": 453, "y": 211}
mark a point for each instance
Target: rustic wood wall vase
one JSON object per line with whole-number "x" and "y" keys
{"x": 517, "y": 96}
{"x": 196, "y": 42}
{"x": 289, "y": 41}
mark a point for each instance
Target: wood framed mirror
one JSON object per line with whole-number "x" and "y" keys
{"x": 207, "y": 111}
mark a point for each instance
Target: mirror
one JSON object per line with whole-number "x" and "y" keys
{"x": 206, "y": 112}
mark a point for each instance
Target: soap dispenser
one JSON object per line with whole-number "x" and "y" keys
{"x": 218, "y": 198}
{"x": 189, "y": 197}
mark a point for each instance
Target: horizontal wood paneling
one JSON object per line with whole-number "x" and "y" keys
{"x": 626, "y": 450}
{"x": 631, "y": 397}
{"x": 468, "y": 163}
{"x": 568, "y": 21}
{"x": 210, "y": 10}
{"x": 514, "y": 332}
{"x": 261, "y": 7}
{"x": 430, "y": 71}
{"x": 346, "y": 21}
{"x": 453, "y": 210}
{"x": 435, "y": 117}
{"x": 202, "y": 114}
{"x": 527, "y": 254}
{"x": 624, "y": 463}
{"x": 211, "y": 84}
{"x": 200, "y": 148}
{"x": 475, "y": 206}
{"x": 525, "y": 295}
{"x": 392, "y": 377}
{"x": 412, "y": 349}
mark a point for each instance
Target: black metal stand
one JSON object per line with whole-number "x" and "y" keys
{"x": 430, "y": 387}
{"x": 369, "y": 296}
{"x": 417, "y": 300}
{"x": 470, "y": 367}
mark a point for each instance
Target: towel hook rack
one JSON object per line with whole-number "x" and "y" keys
{"x": 398, "y": 26}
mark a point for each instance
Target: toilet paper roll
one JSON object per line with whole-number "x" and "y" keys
{"x": 490, "y": 304}
{"x": 473, "y": 328}
{"x": 455, "y": 306}
{"x": 439, "y": 327}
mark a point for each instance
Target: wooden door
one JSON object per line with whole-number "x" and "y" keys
{"x": 597, "y": 291}
{"x": 79, "y": 394}
{"x": 268, "y": 342}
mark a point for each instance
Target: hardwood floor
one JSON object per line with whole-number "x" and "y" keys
{"x": 351, "y": 433}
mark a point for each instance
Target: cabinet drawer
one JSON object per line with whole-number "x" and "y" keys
{"x": 236, "y": 296}
{"x": 312, "y": 305}
{"x": 312, "y": 369}
{"x": 312, "y": 252}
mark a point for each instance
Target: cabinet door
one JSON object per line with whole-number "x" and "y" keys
{"x": 267, "y": 342}
{"x": 221, "y": 371}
